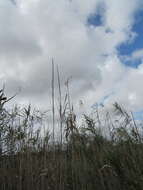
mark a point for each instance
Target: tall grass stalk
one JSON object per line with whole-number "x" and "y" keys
{"x": 84, "y": 158}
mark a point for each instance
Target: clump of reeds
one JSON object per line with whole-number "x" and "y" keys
{"x": 81, "y": 156}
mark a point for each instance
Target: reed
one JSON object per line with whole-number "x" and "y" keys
{"x": 83, "y": 159}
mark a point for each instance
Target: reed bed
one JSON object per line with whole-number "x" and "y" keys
{"x": 102, "y": 154}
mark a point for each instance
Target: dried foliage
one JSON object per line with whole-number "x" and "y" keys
{"x": 103, "y": 152}
{"x": 84, "y": 158}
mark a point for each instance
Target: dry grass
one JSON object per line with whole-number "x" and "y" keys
{"x": 83, "y": 159}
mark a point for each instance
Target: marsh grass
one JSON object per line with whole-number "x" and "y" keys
{"x": 84, "y": 158}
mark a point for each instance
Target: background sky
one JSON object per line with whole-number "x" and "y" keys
{"x": 99, "y": 43}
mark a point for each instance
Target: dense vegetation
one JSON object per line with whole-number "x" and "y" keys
{"x": 82, "y": 156}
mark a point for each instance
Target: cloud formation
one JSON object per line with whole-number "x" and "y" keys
{"x": 33, "y": 32}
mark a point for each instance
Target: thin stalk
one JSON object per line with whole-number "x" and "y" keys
{"x": 53, "y": 100}
{"x": 60, "y": 104}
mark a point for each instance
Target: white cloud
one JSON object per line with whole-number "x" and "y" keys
{"x": 138, "y": 54}
{"x": 33, "y": 32}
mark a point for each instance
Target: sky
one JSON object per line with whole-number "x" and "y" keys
{"x": 98, "y": 44}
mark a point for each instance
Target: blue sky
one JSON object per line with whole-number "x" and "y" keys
{"x": 94, "y": 20}
{"x": 126, "y": 48}
{"x": 138, "y": 115}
